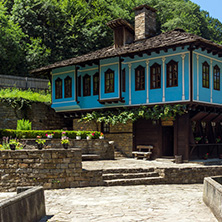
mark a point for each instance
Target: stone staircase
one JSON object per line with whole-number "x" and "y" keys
{"x": 118, "y": 153}
{"x": 125, "y": 177}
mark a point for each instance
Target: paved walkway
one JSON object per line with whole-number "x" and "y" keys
{"x": 157, "y": 203}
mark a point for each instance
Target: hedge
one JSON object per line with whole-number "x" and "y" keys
{"x": 20, "y": 134}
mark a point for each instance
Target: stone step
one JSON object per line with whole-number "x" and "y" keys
{"x": 113, "y": 176}
{"x": 127, "y": 170}
{"x": 90, "y": 157}
{"x": 165, "y": 159}
{"x": 135, "y": 181}
{"x": 118, "y": 154}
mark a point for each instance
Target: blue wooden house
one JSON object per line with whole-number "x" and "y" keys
{"x": 143, "y": 68}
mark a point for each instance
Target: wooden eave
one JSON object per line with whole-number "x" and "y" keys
{"x": 110, "y": 101}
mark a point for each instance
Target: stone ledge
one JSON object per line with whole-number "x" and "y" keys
{"x": 13, "y": 209}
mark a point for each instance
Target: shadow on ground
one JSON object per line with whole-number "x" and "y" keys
{"x": 46, "y": 218}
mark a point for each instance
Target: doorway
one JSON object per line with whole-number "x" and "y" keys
{"x": 168, "y": 140}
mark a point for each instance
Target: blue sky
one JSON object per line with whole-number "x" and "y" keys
{"x": 214, "y": 7}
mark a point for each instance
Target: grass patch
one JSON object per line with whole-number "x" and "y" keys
{"x": 17, "y": 94}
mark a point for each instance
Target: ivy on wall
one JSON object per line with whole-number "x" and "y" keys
{"x": 133, "y": 114}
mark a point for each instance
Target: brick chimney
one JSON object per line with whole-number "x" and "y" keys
{"x": 123, "y": 32}
{"x": 145, "y": 22}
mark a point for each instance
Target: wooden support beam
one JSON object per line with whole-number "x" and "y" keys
{"x": 209, "y": 50}
{"x": 215, "y": 52}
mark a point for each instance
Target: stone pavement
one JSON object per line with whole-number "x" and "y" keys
{"x": 154, "y": 203}
{"x": 133, "y": 163}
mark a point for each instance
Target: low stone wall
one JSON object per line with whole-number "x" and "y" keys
{"x": 94, "y": 146}
{"x": 50, "y": 168}
{"x": 121, "y": 134}
{"x": 27, "y": 206}
{"x": 188, "y": 175}
{"x": 212, "y": 195}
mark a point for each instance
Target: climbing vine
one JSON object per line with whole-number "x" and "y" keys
{"x": 133, "y": 114}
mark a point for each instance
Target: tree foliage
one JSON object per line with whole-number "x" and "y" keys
{"x": 34, "y": 33}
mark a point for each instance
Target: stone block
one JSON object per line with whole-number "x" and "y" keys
{"x": 23, "y": 165}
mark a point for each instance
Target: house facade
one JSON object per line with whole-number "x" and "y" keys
{"x": 143, "y": 68}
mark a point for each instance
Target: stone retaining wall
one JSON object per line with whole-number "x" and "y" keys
{"x": 188, "y": 175}
{"x": 100, "y": 147}
{"x": 52, "y": 168}
{"x": 42, "y": 116}
{"x": 27, "y": 206}
{"x": 212, "y": 195}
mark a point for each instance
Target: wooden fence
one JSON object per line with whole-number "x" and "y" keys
{"x": 23, "y": 82}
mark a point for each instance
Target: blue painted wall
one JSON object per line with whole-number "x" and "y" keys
{"x": 155, "y": 96}
{"x": 205, "y": 94}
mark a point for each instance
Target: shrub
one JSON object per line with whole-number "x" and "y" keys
{"x": 23, "y": 124}
{"x": 34, "y": 133}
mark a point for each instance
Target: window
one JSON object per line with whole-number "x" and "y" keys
{"x": 96, "y": 84}
{"x": 105, "y": 128}
{"x": 205, "y": 75}
{"x": 216, "y": 78}
{"x": 172, "y": 74}
{"x": 86, "y": 85}
{"x": 79, "y": 85}
{"x": 109, "y": 81}
{"x": 68, "y": 87}
{"x": 58, "y": 88}
{"x": 124, "y": 80}
{"x": 140, "y": 78}
{"x": 155, "y": 76}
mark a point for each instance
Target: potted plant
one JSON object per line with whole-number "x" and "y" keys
{"x": 65, "y": 142}
{"x": 197, "y": 139}
{"x": 218, "y": 139}
{"x": 13, "y": 143}
{"x": 206, "y": 140}
{"x": 78, "y": 135}
{"x": 40, "y": 142}
{"x": 50, "y": 136}
{"x": 206, "y": 156}
{"x": 89, "y": 137}
{"x": 101, "y": 136}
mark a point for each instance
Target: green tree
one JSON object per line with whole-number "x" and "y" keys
{"x": 11, "y": 46}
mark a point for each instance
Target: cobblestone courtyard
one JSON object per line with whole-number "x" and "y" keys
{"x": 157, "y": 203}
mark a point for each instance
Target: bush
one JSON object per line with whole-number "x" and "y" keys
{"x": 23, "y": 124}
{"x": 34, "y": 133}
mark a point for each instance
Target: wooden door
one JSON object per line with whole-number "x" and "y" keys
{"x": 168, "y": 141}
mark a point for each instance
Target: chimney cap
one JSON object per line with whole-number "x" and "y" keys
{"x": 120, "y": 22}
{"x": 144, "y": 6}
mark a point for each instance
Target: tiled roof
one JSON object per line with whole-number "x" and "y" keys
{"x": 162, "y": 41}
